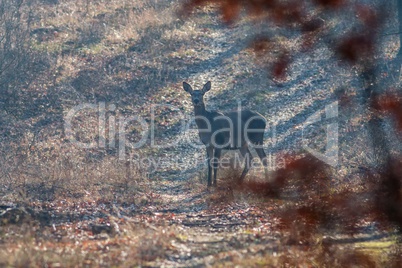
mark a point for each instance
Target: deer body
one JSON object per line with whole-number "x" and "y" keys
{"x": 227, "y": 131}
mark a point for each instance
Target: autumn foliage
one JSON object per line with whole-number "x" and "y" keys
{"x": 352, "y": 46}
{"x": 320, "y": 207}
{"x": 86, "y": 208}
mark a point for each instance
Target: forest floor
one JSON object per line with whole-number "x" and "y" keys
{"x": 62, "y": 205}
{"x": 181, "y": 224}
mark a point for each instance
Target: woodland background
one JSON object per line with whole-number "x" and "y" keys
{"x": 65, "y": 206}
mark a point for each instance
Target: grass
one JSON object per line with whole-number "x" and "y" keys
{"x": 94, "y": 208}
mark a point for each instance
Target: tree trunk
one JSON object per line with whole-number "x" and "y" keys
{"x": 375, "y": 125}
{"x": 399, "y": 3}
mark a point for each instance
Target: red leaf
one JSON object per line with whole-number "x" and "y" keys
{"x": 356, "y": 47}
{"x": 280, "y": 66}
{"x": 330, "y": 3}
{"x": 230, "y": 10}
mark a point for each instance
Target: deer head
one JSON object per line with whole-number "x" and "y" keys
{"x": 197, "y": 96}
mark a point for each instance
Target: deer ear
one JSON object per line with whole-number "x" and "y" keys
{"x": 187, "y": 87}
{"x": 206, "y": 87}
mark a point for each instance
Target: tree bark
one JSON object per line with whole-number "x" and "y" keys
{"x": 399, "y": 3}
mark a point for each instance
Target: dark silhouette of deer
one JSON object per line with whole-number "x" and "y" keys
{"x": 227, "y": 131}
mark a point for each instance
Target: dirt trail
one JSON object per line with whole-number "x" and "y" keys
{"x": 210, "y": 230}
{"x": 165, "y": 216}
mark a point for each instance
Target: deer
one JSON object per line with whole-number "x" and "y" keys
{"x": 237, "y": 130}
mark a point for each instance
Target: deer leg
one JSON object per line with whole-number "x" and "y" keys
{"x": 210, "y": 153}
{"x": 245, "y": 153}
{"x": 217, "y": 156}
{"x": 264, "y": 160}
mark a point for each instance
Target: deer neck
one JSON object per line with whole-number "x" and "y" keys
{"x": 200, "y": 112}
